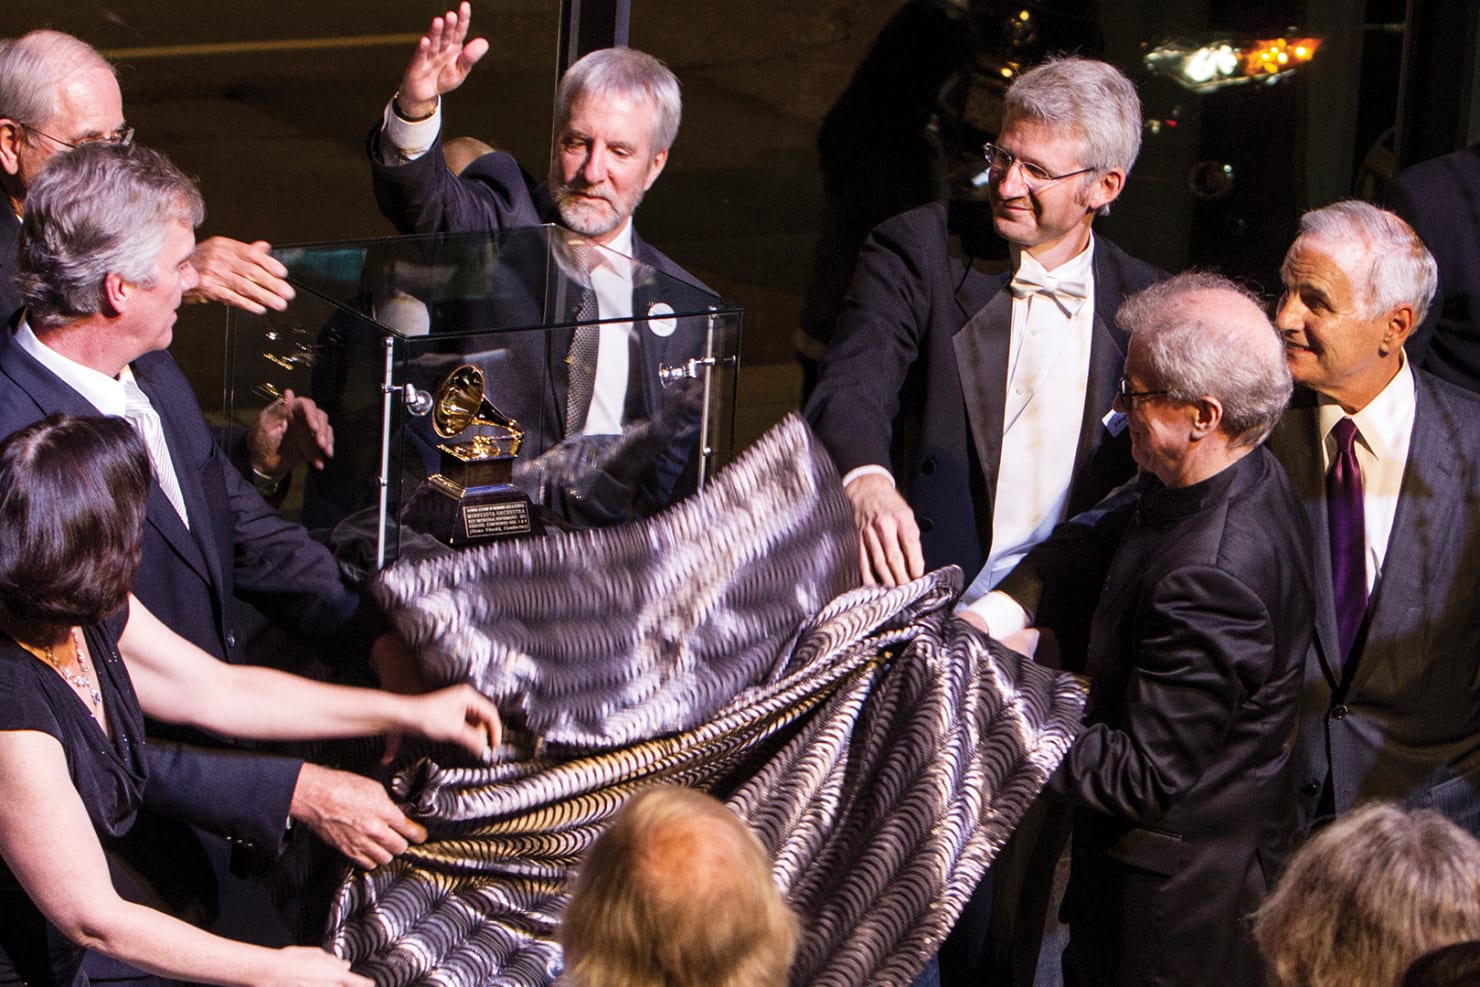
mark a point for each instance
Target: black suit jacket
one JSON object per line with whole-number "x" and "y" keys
{"x": 890, "y": 390}
{"x": 1441, "y": 199}
{"x": 1402, "y": 720}
{"x": 1182, "y": 776}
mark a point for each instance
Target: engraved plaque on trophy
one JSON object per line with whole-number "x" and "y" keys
{"x": 472, "y": 498}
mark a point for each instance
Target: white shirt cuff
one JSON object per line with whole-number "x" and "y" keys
{"x": 870, "y": 470}
{"x": 402, "y": 140}
{"x": 1004, "y": 615}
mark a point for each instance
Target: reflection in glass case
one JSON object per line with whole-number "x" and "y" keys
{"x": 475, "y": 392}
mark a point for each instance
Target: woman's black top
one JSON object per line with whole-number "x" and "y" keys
{"x": 108, "y": 774}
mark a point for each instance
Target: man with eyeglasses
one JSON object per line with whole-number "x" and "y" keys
{"x": 969, "y": 406}
{"x": 970, "y": 409}
{"x": 1195, "y": 596}
{"x": 58, "y": 93}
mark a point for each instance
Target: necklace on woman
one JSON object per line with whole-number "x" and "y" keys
{"x": 83, "y": 682}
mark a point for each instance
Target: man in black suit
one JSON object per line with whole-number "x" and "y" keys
{"x": 616, "y": 115}
{"x": 1441, "y": 200}
{"x": 1201, "y": 597}
{"x": 947, "y": 373}
{"x": 968, "y": 404}
{"x": 104, "y": 259}
{"x": 1391, "y": 703}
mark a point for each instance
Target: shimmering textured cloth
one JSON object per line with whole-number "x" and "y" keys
{"x": 881, "y": 749}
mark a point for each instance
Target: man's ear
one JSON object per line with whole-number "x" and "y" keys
{"x": 1104, "y": 189}
{"x": 10, "y": 140}
{"x": 1398, "y": 327}
{"x": 117, "y": 294}
{"x": 1207, "y": 416}
{"x": 655, "y": 169}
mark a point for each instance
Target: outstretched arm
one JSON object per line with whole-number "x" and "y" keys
{"x": 243, "y": 275}
{"x": 441, "y": 62}
{"x": 178, "y": 683}
{"x": 42, "y": 811}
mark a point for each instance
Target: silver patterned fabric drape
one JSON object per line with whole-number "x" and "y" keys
{"x": 882, "y": 750}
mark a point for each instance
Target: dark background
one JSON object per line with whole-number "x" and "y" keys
{"x": 268, "y": 104}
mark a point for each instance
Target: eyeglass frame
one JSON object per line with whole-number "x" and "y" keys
{"x": 1035, "y": 183}
{"x": 1123, "y": 391}
{"x": 123, "y": 137}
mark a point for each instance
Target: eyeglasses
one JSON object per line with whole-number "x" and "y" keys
{"x": 123, "y": 136}
{"x": 1035, "y": 177}
{"x": 1127, "y": 395}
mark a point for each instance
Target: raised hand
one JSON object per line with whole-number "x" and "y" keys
{"x": 440, "y": 63}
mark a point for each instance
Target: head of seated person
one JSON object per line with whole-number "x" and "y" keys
{"x": 676, "y": 893}
{"x": 72, "y": 495}
{"x": 1369, "y": 894}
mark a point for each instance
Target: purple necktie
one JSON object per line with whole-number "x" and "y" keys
{"x": 1346, "y": 523}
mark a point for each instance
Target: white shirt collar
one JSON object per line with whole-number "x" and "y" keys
{"x": 1386, "y": 423}
{"x": 101, "y": 391}
{"x": 1080, "y": 267}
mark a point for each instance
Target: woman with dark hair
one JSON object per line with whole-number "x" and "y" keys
{"x": 80, "y": 664}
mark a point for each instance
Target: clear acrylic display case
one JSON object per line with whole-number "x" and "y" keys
{"x": 380, "y": 335}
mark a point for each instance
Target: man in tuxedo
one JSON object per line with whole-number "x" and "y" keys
{"x": 616, "y": 115}
{"x": 1201, "y": 602}
{"x": 1386, "y": 457}
{"x": 104, "y": 259}
{"x": 947, "y": 373}
{"x": 56, "y": 93}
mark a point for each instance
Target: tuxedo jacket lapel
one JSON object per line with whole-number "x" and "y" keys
{"x": 982, "y": 347}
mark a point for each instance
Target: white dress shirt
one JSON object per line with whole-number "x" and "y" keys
{"x": 107, "y": 395}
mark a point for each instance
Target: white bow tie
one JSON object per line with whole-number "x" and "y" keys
{"x": 1068, "y": 294}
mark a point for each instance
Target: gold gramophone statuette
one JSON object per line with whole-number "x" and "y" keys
{"x": 478, "y": 500}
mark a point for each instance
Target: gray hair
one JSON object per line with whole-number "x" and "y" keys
{"x": 1091, "y": 100}
{"x": 1402, "y": 271}
{"x": 32, "y": 68}
{"x": 1196, "y": 351}
{"x": 629, "y": 73}
{"x": 1368, "y": 895}
{"x": 96, "y": 210}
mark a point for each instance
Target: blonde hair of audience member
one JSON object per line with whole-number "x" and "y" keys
{"x": 1369, "y": 894}
{"x": 677, "y": 893}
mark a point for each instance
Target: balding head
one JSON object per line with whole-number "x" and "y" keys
{"x": 1201, "y": 335}
{"x": 55, "y": 92}
{"x": 677, "y": 893}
